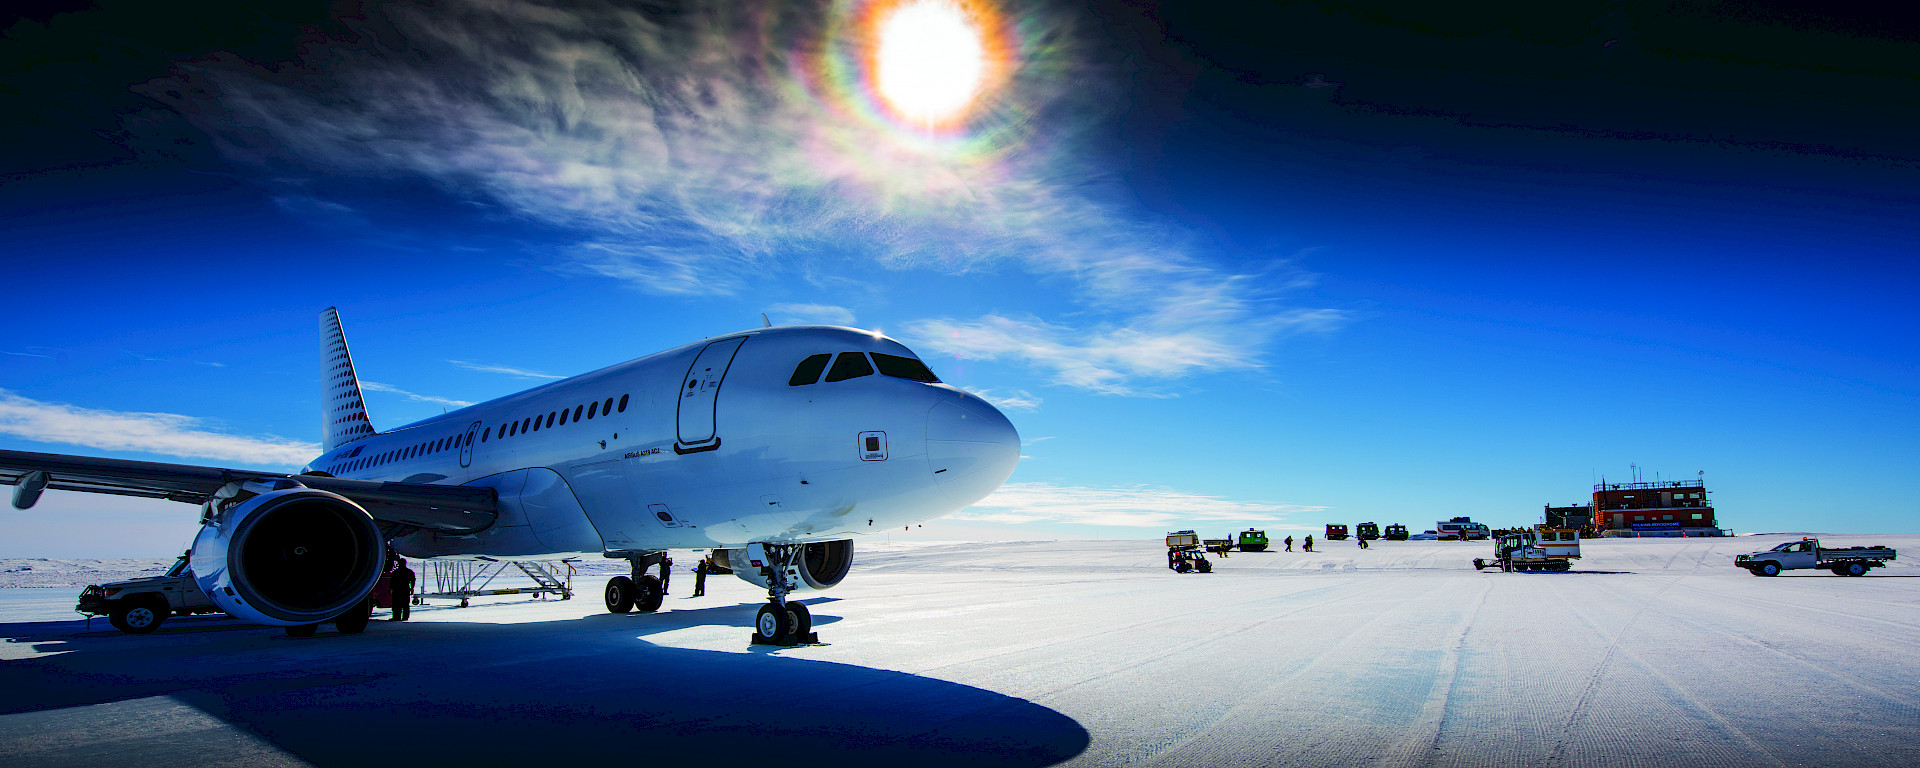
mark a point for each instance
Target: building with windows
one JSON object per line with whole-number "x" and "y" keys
{"x": 1577, "y": 517}
{"x": 1662, "y": 508}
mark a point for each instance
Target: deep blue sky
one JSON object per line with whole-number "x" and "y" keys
{"x": 1226, "y": 264}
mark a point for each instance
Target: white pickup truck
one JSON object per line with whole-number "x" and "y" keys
{"x": 1807, "y": 553}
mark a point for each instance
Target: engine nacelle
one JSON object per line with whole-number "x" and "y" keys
{"x": 822, "y": 564}
{"x": 288, "y": 556}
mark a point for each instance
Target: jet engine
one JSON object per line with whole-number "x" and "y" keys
{"x": 820, "y": 565}
{"x": 290, "y": 555}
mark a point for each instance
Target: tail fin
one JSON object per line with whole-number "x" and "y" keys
{"x": 344, "y": 412}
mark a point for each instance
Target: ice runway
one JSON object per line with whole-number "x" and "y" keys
{"x": 1653, "y": 653}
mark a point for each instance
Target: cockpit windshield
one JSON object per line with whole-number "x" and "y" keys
{"x": 853, "y": 365}
{"x": 904, "y": 368}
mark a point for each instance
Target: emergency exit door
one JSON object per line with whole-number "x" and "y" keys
{"x": 700, "y": 396}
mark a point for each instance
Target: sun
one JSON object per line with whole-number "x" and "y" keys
{"x": 930, "y": 62}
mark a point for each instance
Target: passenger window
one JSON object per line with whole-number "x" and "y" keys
{"x": 549, "y": 418}
{"x": 808, "y": 371}
{"x": 536, "y": 423}
{"x": 904, "y": 368}
{"x": 850, "y": 365}
{"x": 593, "y": 409}
{"x": 486, "y": 434}
{"x": 524, "y": 422}
{"x": 563, "y": 416}
{"x": 623, "y": 403}
{"x": 576, "y": 412}
{"x": 607, "y": 407}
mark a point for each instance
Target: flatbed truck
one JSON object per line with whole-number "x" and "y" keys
{"x": 1807, "y": 553}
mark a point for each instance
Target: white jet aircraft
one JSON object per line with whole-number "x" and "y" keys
{"x": 773, "y": 447}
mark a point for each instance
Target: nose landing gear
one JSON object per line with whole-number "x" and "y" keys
{"x": 781, "y": 622}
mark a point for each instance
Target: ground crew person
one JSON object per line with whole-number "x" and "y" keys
{"x": 1363, "y": 541}
{"x": 700, "y": 578}
{"x": 401, "y": 587}
{"x": 1307, "y": 546}
{"x": 666, "y": 572}
{"x": 1289, "y": 543}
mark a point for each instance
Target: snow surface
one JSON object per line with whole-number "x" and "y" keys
{"x": 1654, "y": 652}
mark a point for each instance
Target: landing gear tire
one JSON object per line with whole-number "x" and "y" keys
{"x": 620, "y": 594}
{"x": 302, "y": 630}
{"x": 1768, "y": 569}
{"x": 802, "y": 621}
{"x": 1855, "y": 569}
{"x": 773, "y": 625}
{"x": 136, "y": 619}
{"x": 650, "y": 594}
{"x": 354, "y": 621}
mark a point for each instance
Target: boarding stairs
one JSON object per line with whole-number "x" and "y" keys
{"x": 466, "y": 579}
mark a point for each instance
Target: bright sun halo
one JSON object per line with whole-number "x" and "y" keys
{"x": 930, "y": 62}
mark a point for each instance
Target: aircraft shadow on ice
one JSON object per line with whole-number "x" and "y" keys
{"x": 539, "y": 693}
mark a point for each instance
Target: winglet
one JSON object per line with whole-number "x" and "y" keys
{"x": 764, "y": 322}
{"x": 344, "y": 412}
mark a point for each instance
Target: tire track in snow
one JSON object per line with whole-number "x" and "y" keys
{"x": 1615, "y": 648}
{"x": 1162, "y": 748}
{"x": 1774, "y": 605}
{"x": 1849, "y": 678}
{"x": 1423, "y": 735}
{"x": 1163, "y": 653}
{"x": 1592, "y": 684}
{"x": 1166, "y": 749}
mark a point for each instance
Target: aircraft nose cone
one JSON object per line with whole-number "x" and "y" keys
{"x": 971, "y": 448}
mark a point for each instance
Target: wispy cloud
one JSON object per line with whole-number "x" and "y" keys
{"x": 1017, "y": 400}
{"x": 374, "y": 386}
{"x": 713, "y": 149}
{"x": 162, "y": 433}
{"x": 1132, "y": 506}
{"x": 151, "y": 359}
{"x": 812, "y": 314}
{"x": 1111, "y": 358}
{"x": 26, "y": 354}
{"x": 508, "y": 370}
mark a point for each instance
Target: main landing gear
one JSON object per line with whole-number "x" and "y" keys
{"x": 641, "y": 590}
{"x": 781, "y": 622}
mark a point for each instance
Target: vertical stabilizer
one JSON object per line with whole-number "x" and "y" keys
{"x": 345, "y": 412}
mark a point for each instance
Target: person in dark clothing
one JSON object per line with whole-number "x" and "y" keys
{"x": 700, "y": 578}
{"x": 1307, "y": 546}
{"x": 666, "y": 572}
{"x": 1363, "y": 541}
{"x": 1289, "y": 543}
{"x": 401, "y": 587}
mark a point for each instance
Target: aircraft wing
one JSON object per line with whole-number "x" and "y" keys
{"x": 454, "y": 509}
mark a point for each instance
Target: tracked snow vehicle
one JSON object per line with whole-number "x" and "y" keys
{"x": 1533, "y": 550}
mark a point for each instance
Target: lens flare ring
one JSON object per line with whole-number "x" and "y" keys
{"x": 932, "y": 74}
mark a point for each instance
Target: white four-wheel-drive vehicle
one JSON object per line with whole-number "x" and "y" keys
{"x": 139, "y": 606}
{"x": 1807, "y": 553}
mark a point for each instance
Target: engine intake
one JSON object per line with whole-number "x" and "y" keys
{"x": 288, "y": 556}
{"x": 822, "y": 564}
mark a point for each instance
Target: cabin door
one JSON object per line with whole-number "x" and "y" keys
{"x": 700, "y": 396}
{"x": 466, "y": 445}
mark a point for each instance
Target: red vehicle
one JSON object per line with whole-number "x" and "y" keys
{"x": 1336, "y": 532}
